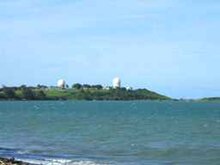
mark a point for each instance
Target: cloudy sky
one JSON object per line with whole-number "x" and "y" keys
{"x": 169, "y": 46}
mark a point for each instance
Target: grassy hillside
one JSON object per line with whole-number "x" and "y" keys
{"x": 35, "y": 93}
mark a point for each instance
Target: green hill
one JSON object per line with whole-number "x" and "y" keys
{"x": 82, "y": 93}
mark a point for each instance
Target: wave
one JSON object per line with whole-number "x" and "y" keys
{"x": 26, "y": 156}
{"x": 61, "y": 162}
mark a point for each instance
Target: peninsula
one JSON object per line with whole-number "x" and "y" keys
{"x": 77, "y": 92}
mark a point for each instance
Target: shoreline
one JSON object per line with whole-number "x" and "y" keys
{"x": 12, "y": 161}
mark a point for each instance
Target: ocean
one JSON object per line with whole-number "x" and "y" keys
{"x": 111, "y": 132}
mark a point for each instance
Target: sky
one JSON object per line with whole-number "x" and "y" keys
{"x": 168, "y": 46}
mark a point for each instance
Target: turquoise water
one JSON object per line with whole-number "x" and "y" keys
{"x": 119, "y": 133}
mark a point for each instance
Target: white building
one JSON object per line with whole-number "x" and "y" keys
{"x": 61, "y": 83}
{"x": 116, "y": 83}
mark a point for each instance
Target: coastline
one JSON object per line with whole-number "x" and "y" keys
{"x": 12, "y": 161}
{"x": 35, "y": 93}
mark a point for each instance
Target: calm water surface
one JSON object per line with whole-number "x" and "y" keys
{"x": 118, "y": 133}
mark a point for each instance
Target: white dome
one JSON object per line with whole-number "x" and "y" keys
{"x": 61, "y": 83}
{"x": 116, "y": 82}
{"x": 129, "y": 88}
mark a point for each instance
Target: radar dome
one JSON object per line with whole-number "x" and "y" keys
{"x": 116, "y": 82}
{"x": 61, "y": 83}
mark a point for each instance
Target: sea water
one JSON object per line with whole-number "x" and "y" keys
{"x": 111, "y": 132}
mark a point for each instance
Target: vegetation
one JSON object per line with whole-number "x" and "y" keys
{"x": 211, "y": 99}
{"x": 9, "y": 92}
{"x": 77, "y": 92}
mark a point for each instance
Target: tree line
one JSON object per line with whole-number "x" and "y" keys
{"x": 77, "y": 92}
{"x": 22, "y": 93}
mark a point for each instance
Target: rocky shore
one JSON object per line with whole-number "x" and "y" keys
{"x": 12, "y": 161}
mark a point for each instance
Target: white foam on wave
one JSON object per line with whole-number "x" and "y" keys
{"x": 61, "y": 162}
{"x": 85, "y": 163}
{"x": 31, "y": 161}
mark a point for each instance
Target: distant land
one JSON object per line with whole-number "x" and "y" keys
{"x": 211, "y": 99}
{"x": 85, "y": 92}
{"x": 77, "y": 92}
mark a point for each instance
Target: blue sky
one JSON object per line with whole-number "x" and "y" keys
{"x": 169, "y": 46}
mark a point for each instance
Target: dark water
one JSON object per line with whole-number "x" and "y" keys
{"x": 90, "y": 133}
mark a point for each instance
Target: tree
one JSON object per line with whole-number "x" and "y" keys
{"x": 97, "y": 86}
{"x": 41, "y": 86}
{"x": 28, "y": 94}
{"x": 77, "y": 86}
{"x": 2, "y": 96}
{"x": 87, "y": 86}
{"x": 40, "y": 95}
{"x": 9, "y": 93}
{"x": 23, "y": 86}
